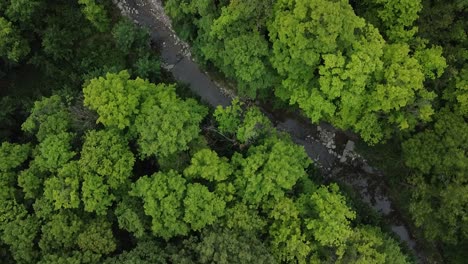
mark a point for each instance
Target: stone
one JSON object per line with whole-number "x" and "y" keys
{"x": 347, "y": 152}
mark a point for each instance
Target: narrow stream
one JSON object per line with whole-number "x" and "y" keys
{"x": 331, "y": 149}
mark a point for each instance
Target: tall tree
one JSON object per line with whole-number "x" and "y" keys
{"x": 338, "y": 68}
{"x": 106, "y": 163}
{"x": 268, "y": 170}
{"x": 439, "y": 162}
{"x": 162, "y": 194}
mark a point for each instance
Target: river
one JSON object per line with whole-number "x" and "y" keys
{"x": 330, "y": 148}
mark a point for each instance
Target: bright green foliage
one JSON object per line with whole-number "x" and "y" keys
{"x": 60, "y": 232}
{"x": 331, "y": 226}
{"x": 237, "y": 46}
{"x": 96, "y": 14}
{"x": 367, "y": 245}
{"x": 432, "y": 61}
{"x": 96, "y": 195}
{"x": 12, "y": 155}
{"x": 206, "y": 164}
{"x": 229, "y": 117}
{"x": 247, "y": 126}
{"x": 288, "y": 242}
{"x": 202, "y": 207}
{"x": 231, "y": 35}
{"x": 116, "y": 98}
{"x": 226, "y": 246}
{"x": 97, "y": 237}
{"x": 30, "y": 180}
{"x": 269, "y": 170}
{"x": 440, "y": 192}
{"x": 166, "y": 124}
{"x": 163, "y": 123}
{"x": 54, "y": 152}
{"x": 106, "y": 163}
{"x": 105, "y": 154}
{"x": 244, "y": 218}
{"x": 401, "y": 95}
{"x": 19, "y": 235}
{"x": 254, "y": 125}
{"x": 362, "y": 83}
{"x": 397, "y": 18}
{"x": 49, "y": 116}
{"x": 295, "y": 25}
{"x": 63, "y": 190}
{"x": 12, "y": 45}
{"x": 162, "y": 194}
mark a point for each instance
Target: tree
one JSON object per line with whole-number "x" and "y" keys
{"x": 128, "y": 36}
{"x": 30, "y": 180}
{"x": 72, "y": 257}
{"x": 97, "y": 237}
{"x": 60, "y": 233}
{"x": 24, "y": 11}
{"x": 338, "y": 68}
{"x": 438, "y": 158}
{"x": 162, "y": 123}
{"x": 146, "y": 252}
{"x": 63, "y": 190}
{"x": 396, "y": 19}
{"x": 116, "y": 98}
{"x": 369, "y": 245}
{"x": 20, "y": 235}
{"x": 288, "y": 241}
{"x": 268, "y": 170}
{"x": 236, "y": 45}
{"x": 461, "y": 92}
{"x": 228, "y": 246}
{"x": 131, "y": 217}
{"x": 13, "y": 155}
{"x": 244, "y": 218}
{"x": 206, "y": 164}
{"x": 229, "y": 117}
{"x": 96, "y": 14}
{"x": 166, "y": 124}
{"x": 12, "y": 45}
{"x": 95, "y": 194}
{"x": 162, "y": 195}
{"x": 201, "y": 206}
{"x": 106, "y": 154}
{"x": 247, "y": 125}
{"x": 49, "y": 116}
{"x": 330, "y": 225}
{"x": 54, "y": 152}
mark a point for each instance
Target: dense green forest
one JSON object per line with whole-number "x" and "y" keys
{"x": 388, "y": 70}
{"x": 103, "y": 159}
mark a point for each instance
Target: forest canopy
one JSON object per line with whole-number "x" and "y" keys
{"x": 104, "y": 159}
{"x": 69, "y": 197}
{"x": 386, "y": 70}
